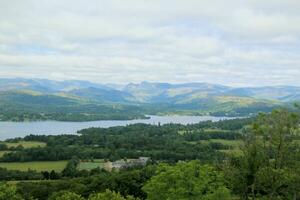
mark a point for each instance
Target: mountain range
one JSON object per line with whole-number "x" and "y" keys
{"x": 149, "y": 97}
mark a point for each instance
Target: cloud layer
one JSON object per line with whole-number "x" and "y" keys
{"x": 230, "y": 42}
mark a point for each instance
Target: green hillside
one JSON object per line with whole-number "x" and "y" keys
{"x": 31, "y": 106}
{"x": 37, "y": 99}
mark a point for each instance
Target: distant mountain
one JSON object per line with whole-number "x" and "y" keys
{"x": 165, "y": 92}
{"x": 143, "y": 98}
{"x": 148, "y": 92}
{"x": 103, "y": 95}
{"x": 30, "y": 98}
{"x": 291, "y": 98}
{"x": 190, "y": 92}
{"x": 46, "y": 86}
{"x": 280, "y": 93}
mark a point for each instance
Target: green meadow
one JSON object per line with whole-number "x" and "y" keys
{"x": 91, "y": 164}
{"x": 25, "y": 144}
{"x": 36, "y": 165}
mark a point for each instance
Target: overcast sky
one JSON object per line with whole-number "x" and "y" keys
{"x": 231, "y": 42}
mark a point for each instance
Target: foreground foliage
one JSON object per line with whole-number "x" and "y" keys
{"x": 187, "y": 181}
{"x": 8, "y": 193}
{"x": 269, "y": 164}
{"x": 185, "y": 167}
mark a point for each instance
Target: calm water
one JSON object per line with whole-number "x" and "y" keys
{"x": 21, "y": 129}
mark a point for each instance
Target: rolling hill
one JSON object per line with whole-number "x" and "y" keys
{"x": 93, "y": 101}
{"x": 31, "y": 106}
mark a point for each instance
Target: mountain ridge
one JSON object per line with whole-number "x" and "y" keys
{"x": 145, "y": 97}
{"x": 51, "y": 86}
{"x": 149, "y": 92}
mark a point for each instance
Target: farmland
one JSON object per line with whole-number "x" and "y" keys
{"x": 25, "y": 144}
{"x": 35, "y": 165}
{"x": 11, "y": 146}
{"x": 89, "y": 165}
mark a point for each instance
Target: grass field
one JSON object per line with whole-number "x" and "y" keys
{"x": 25, "y": 144}
{"x": 231, "y": 143}
{"x": 216, "y": 130}
{"x": 236, "y": 152}
{"x": 37, "y": 165}
{"x": 91, "y": 165}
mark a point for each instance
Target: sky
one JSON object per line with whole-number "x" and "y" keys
{"x": 232, "y": 42}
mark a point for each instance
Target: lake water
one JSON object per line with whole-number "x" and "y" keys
{"x": 21, "y": 129}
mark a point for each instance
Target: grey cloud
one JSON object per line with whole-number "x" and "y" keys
{"x": 230, "y": 42}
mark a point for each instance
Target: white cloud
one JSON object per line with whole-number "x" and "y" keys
{"x": 229, "y": 42}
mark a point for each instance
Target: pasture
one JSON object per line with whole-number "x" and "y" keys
{"x": 25, "y": 144}
{"x": 36, "y": 165}
{"x": 231, "y": 143}
{"x": 89, "y": 165}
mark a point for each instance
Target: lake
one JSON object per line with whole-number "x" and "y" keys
{"x": 21, "y": 129}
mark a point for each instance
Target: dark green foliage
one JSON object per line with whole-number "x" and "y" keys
{"x": 127, "y": 182}
{"x": 187, "y": 181}
{"x": 3, "y": 147}
{"x": 233, "y": 124}
{"x": 10, "y": 175}
{"x": 71, "y": 168}
{"x": 8, "y": 193}
{"x": 107, "y": 195}
{"x": 269, "y": 164}
{"x": 65, "y": 196}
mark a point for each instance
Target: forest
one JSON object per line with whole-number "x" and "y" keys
{"x": 246, "y": 158}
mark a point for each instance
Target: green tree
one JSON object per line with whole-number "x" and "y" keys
{"x": 63, "y": 195}
{"x": 109, "y": 195}
{"x": 53, "y": 175}
{"x": 268, "y": 165}
{"x": 8, "y": 192}
{"x": 186, "y": 181}
{"x": 71, "y": 168}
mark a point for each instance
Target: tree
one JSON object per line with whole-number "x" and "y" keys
{"x": 186, "y": 181}
{"x": 3, "y": 146}
{"x": 46, "y": 175}
{"x": 109, "y": 195}
{"x": 53, "y": 175}
{"x": 65, "y": 196}
{"x": 277, "y": 131}
{"x": 8, "y": 192}
{"x": 71, "y": 168}
{"x": 268, "y": 165}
